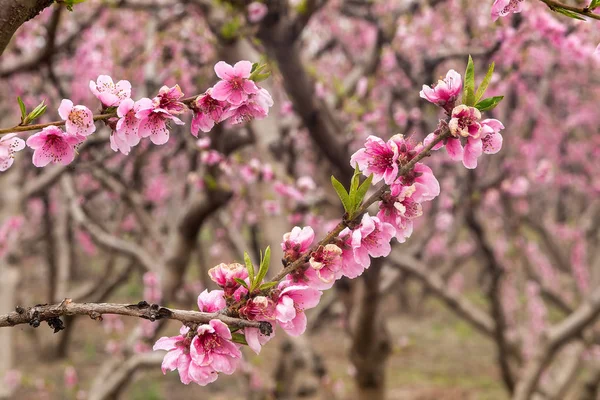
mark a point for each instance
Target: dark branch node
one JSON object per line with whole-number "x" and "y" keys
{"x": 56, "y": 324}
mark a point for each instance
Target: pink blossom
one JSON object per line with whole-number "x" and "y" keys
{"x": 399, "y": 210}
{"x": 256, "y": 107}
{"x": 235, "y": 87}
{"x": 472, "y": 150}
{"x": 212, "y": 347}
{"x": 490, "y": 135}
{"x": 70, "y": 377}
{"x": 79, "y": 120}
{"x": 108, "y": 93}
{"x": 224, "y": 275}
{"x": 378, "y": 158}
{"x": 292, "y": 301}
{"x": 126, "y": 135}
{"x": 350, "y": 267}
{"x": 256, "y": 11}
{"x": 212, "y": 301}
{"x": 167, "y": 100}
{"x": 445, "y": 92}
{"x": 297, "y": 242}
{"x": 502, "y": 8}
{"x": 154, "y": 114}
{"x": 52, "y": 145}
{"x": 426, "y": 185}
{"x": 207, "y": 112}
{"x": 178, "y": 358}
{"x": 12, "y": 379}
{"x": 325, "y": 267}
{"x": 465, "y": 122}
{"x": 9, "y": 145}
{"x": 152, "y": 292}
{"x": 371, "y": 238}
{"x": 258, "y": 308}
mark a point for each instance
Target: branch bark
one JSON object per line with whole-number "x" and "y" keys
{"x": 13, "y": 14}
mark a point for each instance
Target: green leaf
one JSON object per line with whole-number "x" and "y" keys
{"x": 484, "y": 84}
{"x": 362, "y": 191}
{"x": 249, "y": 267}
{"x": 71, "y": 3}
{"x": 264, "y": 266}
{"x": 594, "y": 4}
{"x": 489, "y": 103}
{"x": 241, "y": 282}
{"x": 469, "y": 86}
{"x": 239, "y": 338}
{"x": 342, "y": 194}
{"x": 568, "y": 13}
{"x": 23, "y": 108}
{"x": 267, "y": 285}
{"x": 37, "y": 112}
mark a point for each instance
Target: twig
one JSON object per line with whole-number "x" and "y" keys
{"x": 153, "y": 312}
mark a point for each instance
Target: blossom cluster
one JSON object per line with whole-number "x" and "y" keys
{"x": 201, "y": 353}
{"x": 235, "y": 97}
{"x": 470, "y": 135}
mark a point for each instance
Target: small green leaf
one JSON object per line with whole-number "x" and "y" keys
{"x": 241, "y": 282}
{"x": 239, "y": 338}
{"x": 342, "y": 194}
{"x": 23, "y": 108}
{"x": 469, "y": 86}
{"x": 70, "y": 3}
{"x": 594, "y": 4}
{"x": 267, "y": 285}
{"x": 484, "y": 84}
{"x": 254, "y": 66}
{"x": 489, "y": 103}
{"x": 362, "y": 191}
{"x": 260, "y": 77}
{"x": 249, "y": 267}
{"x": 568, "y": 13}
{"x": 37, "y": 112}
{"x": 264, "y": 266}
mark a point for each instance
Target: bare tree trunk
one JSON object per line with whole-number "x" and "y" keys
{"x": 370, "y": 342}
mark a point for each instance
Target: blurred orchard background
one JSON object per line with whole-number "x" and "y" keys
{"x": 500, "y": 280}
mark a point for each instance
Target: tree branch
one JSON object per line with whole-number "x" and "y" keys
{"x": 153, "y": 312}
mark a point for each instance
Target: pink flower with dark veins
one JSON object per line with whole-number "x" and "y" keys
{"x": 258, "y": 308}
{"x": 52, "y": 145}
{"x": 207, "y": 112}
{"x": 293, "y": 300}
{"x": 178, "y": 357}
{"x": 490, "y": 135}
{"x": 371, "y": 238}
{"x": 153, "y": 118}
{"x": 79, "y": 120}
{"x": 350, "y": 267}
{"x": 108, "y": 93}
{"x": 465, "y": 122}
{"x": 502, "y": 8}
{"x": 168, "y": 98}
{"x": 9, "y": 145}
{"x": 378, "y": 158}
{"x": 445, "y": 92}
{"x": 212, "y": 347}
{"x": 126, "y": 133}
{"x": 256, "y": 107}
{"x": 234, "y": 87}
